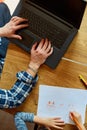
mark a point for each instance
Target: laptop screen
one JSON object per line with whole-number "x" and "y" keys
{"x": 69, "y": 10}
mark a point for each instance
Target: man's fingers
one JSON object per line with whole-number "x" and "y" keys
{"x": 46, "y": 44}
{"x": 16, "y": 36}
{"x": 21, "y": 26}
{"x": 41, "y": 44}
{"x": 34, "y": 46}
{"x": 50, "y": 52}
{"x": 18, "y": 19}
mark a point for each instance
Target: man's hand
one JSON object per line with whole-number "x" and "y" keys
{"x": 40, "y": 52}
{"x": 12, "y": 26}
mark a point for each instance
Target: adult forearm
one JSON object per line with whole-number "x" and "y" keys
{"x": 20, "y": 90}
{"x": 2, "y": 34}
{"x": 32, "y": 69}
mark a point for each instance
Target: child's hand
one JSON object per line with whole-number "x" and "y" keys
{"x": 76, "y": 115}
{"x": 78, "y": 119}
{"x": 54, "y": 122}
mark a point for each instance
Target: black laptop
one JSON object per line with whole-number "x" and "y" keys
{"x": 57, "y": 20}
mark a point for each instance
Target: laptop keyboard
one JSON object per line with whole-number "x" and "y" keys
{"x": 41, "y": 27}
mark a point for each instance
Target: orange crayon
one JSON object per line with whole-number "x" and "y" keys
{"x": 76, "y": 121}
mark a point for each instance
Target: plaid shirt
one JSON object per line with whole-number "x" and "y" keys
{"x": 21, "y": 118}
{"x": 20, "y": 90}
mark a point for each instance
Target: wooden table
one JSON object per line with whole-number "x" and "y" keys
{"x": 66, "y": 74}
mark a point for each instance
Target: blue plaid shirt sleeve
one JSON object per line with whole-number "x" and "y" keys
{"x": 18, "y": 93}
{"x": 21, "y": 118}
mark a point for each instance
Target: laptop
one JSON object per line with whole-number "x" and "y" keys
{"x": 58, "y": 20}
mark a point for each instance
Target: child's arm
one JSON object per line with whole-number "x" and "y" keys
{"x": 21, "y": 117}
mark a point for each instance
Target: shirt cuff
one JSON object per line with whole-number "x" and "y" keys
{"x": 26, "y": 77}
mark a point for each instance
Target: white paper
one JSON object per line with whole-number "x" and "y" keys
{"x": 59, "y": 101}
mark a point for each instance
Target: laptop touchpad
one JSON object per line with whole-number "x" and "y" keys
{"x": 28, "y": 38}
